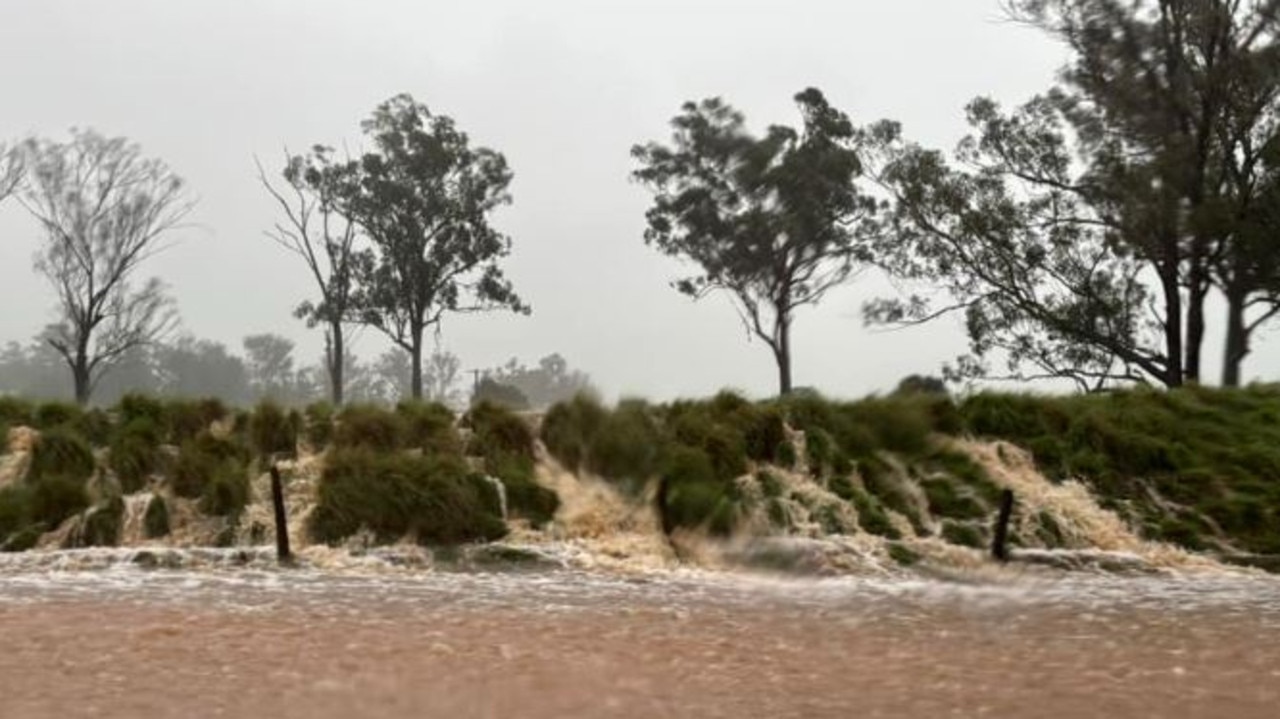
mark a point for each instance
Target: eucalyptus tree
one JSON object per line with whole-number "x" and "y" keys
{"x": 318, "y": 227}
{"x": 425, "y": 198}
{"x": 105, "y": 209}
{"x": 1082, "y": 232}
{"x": 775, "y": 221}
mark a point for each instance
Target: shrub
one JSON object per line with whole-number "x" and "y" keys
{"x": 903, "y": 555}
{"x": 880, "y": 482}
{"x": 770, "y": 484}
{"x": 528, "y": 499}
{"x": 4, "y": 438}
{"x": 56, "y": 414}
{"x": 694, "y": 426}
{"x": 16, "y": 412}
{"x": 963, "y": 534}
{"x": 434, "y": 499}
{"x": 188, "y": 418}
{"x": 60, "y": 452}
{"x": 272, "y": 431}
{"x": 156, "y": 520}
{"x": 695, "y": 495}
{"x": 101, "y": 526}
{"x": 785, "y": 455}
{"x": 819, "y": 447}
{"x": 899, "y": 425}
{"x": 56, "y": 498}
{"x": 134, "y": 455}
{"x": 204, "y": 458}
{"x": 429, "y": 426}
{"x": 871, "y": 515}
{"x": 94, "y": 425}
{"x": 569, "y": 428}
{"x": 137, "y": 406}
{"x": 369, "y": 427}
{"x": 498, "y": 394}
{"x": 947, "y": 500}
{"x": 16, "y": 509}
{"x": 628, "y": 446}
{"x": 226, "y": 492}
{"x": 318, "y": 424}
{"x": 497, "y": 431}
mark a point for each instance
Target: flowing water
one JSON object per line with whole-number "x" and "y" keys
{"x": 223, "y": 633}
{"x": 597, "y": 617}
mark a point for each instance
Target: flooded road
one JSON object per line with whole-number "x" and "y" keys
{"x": 122, "y": 641}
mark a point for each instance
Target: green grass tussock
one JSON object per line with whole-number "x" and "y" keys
{"x": 506, "y": 444}
{"x": 1215, "y": 452}
{"x": 61, "y": 453}
{"x": 365, "y": 426}
{"x": 432, "y": 499}
{"x": 156, "y": 520}
{"x": 273, "y": 431}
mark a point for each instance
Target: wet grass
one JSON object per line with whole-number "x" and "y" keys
{"x": 1216, "y": 452}
{"x": 435, "y": 500}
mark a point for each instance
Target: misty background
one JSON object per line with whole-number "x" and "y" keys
{"x": 563, "y": 90}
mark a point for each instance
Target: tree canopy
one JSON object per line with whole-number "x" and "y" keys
{"x": 775, "y": 221}
{"x": 425, "y": 198}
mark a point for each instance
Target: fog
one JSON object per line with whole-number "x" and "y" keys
{"x": 563, "y": 89}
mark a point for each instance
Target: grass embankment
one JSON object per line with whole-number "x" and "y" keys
{"x": 1195, "y": 467}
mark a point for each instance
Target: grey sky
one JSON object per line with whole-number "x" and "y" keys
{"x": 563, "y": 89}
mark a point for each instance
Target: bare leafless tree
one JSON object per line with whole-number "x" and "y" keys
{"x": 11, "y": 170}
{"x": 318, "y": 228}
{"x": 104, "y": 209}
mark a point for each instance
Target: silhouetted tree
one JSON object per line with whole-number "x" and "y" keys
{"x": 1081, "y": 234}
{"x": 550, "y": 382}
{"x": 193, "y": 368}
{"x": 318, "y": 227}
{"x": 503, "y": 395}
{"x": 11, "y": 170}
{"x": 776, "y": 221}
{"x": 104, "y": 209}
{"x": 35, "y": 371}
{"x": 425, "y": 197}
{"x": 269, "y": 361}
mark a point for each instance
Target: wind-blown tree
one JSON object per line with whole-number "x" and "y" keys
{"x": 775, "y": 221}
{"x": 1009, "y": 244}
{"x": 424, "y": 199}
{"x": 318, "y": 228}
{"x": 1190, "y": 89}
{"x": 105, "y": 210}
{"x": 1099, "y": 215}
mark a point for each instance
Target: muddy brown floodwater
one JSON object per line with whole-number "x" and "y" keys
{"x": 128, "y": 642}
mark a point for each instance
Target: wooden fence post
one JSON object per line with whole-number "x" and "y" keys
{"x": 1001, "y": 533}
{"x": 283, "y": 555}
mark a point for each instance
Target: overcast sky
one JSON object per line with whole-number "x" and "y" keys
{"x": 563, "y": 89}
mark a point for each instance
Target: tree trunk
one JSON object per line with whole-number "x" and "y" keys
{"x": 337, "y": 361}
{"x": 782, "y": 353}
{"x": 1172, "y": 325}
{"x": 415, "y": 378}
{"x": 80, "y": 377}
{"x": 1195, "y": 321}
{"x": 1237, "y": 343}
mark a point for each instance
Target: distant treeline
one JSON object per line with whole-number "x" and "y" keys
{"x": 267, "y": 368}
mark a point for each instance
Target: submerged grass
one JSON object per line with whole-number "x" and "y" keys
{"x": 1215, "y": 452}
